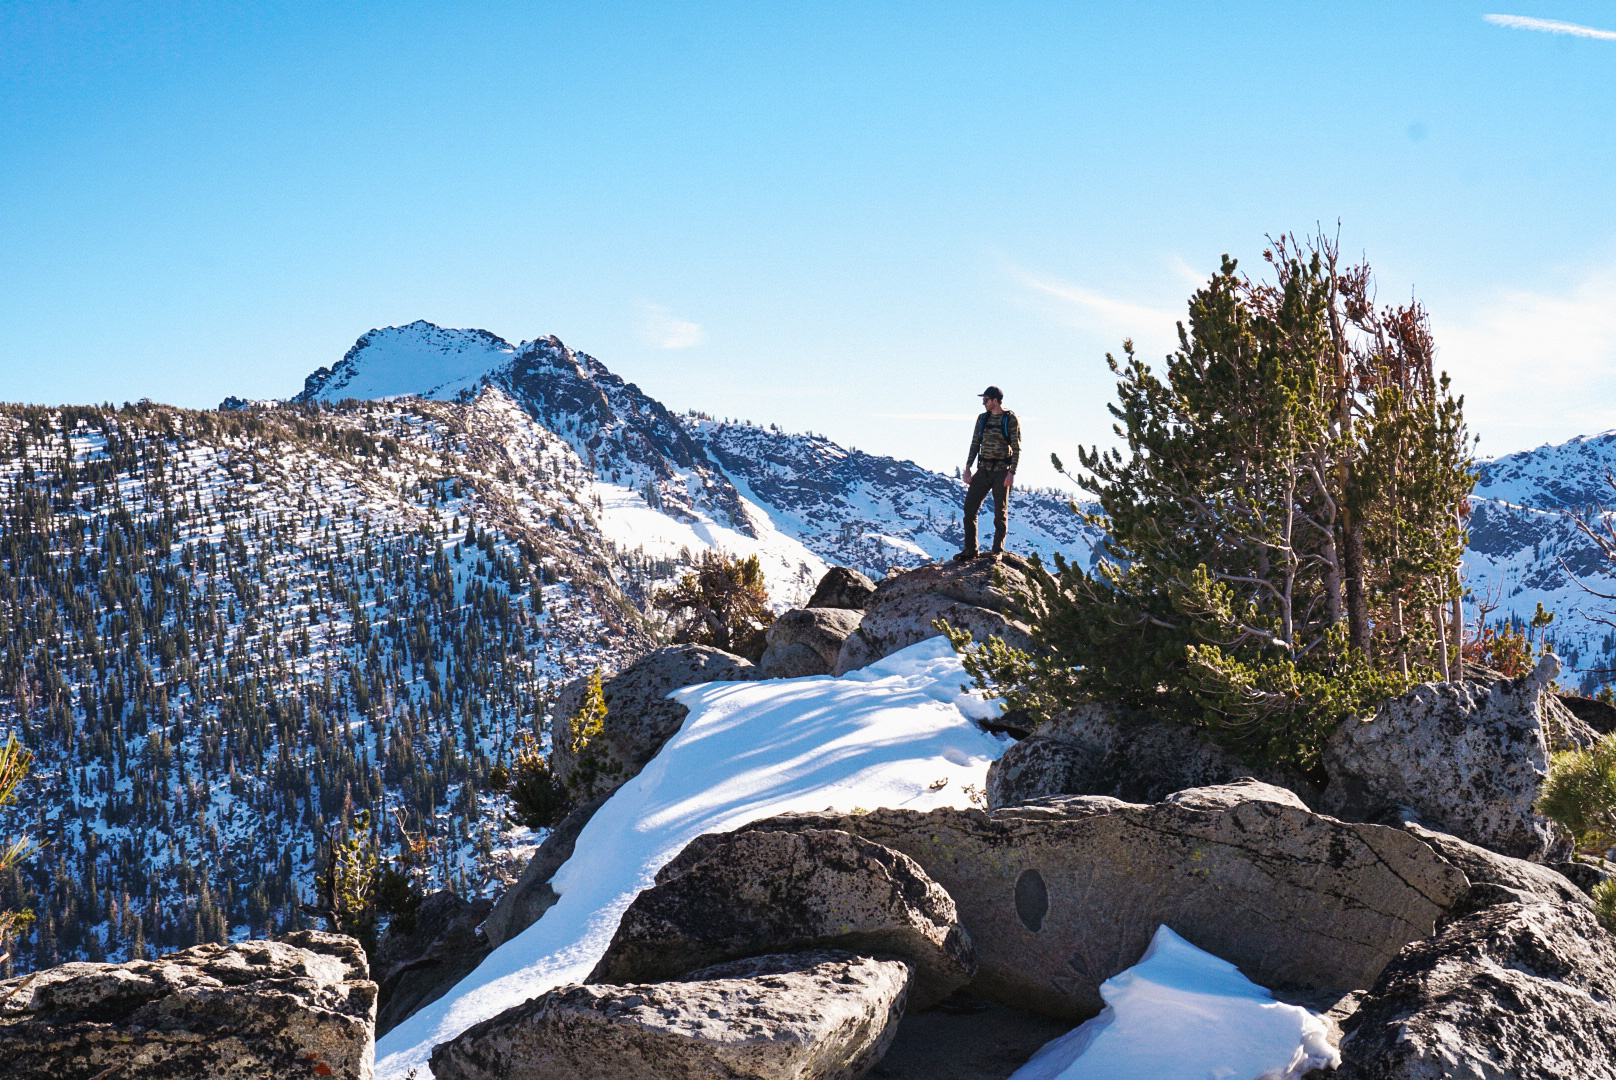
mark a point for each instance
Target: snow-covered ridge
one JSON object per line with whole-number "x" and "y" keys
{"x": 1525, "y": 549}
{"x": 898, "y": 733}
{"x": 735, "y": 486}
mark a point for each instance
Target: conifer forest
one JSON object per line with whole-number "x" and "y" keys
{"x": 229, "y": 635}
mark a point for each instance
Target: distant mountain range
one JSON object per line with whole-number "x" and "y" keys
{"x": 741, "y": 486}
{"x": 735, "y": 480}
{"x": 1525, "y": 549}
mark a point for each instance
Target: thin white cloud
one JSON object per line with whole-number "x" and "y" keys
{"x": 1186, "y": 273}
{"x": 1535, "y": 366}
{"x": 1550, "y": 26}
{"x": 1096, "y": 305}
{"x": 660, "y": 328}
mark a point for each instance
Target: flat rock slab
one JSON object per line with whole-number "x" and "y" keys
{"x": 820, "y": 1015}
{"x": 302, "y": 1007}
{"x": 734, "y": 895}
{"x": 1513, "y": 992}
{"x": 1060, "y": 896}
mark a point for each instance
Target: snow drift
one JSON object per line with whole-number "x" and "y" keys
{"x": 898, "y": 733}
{"x": 1182, "y": 1012}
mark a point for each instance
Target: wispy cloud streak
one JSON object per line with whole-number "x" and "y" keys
{"x": 660, "y": 328}
{"x": 1550, "y": 26}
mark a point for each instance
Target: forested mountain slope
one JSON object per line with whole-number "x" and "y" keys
{"x": 1526, "y": 549}
{"x": 227, "y": 632}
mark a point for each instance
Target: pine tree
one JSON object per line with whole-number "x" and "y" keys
{"x": 15, "y": 762}
{"x": 724, "y": 603}
{"x": 1283, "y": 528}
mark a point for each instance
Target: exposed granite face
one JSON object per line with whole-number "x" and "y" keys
{"x": 807, "y": 641}
{"x": 1513, "y": 992}
{"x": 1467, "y": 758}
{"x": 820, "y": 1015}
{"x": 303, "y": 1007}
{"x": 1060, "y": 895}
{"x": 842, "y": 587}
{"x": 733, "y": 895}
{"x": 1499, "y": 879}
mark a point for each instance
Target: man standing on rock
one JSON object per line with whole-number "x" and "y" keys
{"x": 997, "y": 443}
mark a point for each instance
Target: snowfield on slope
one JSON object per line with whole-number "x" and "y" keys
{"x": 881, "y": 736}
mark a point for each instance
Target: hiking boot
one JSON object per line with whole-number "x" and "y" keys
{"x": 997, "y": 555}
{"x": 967, "y": 556}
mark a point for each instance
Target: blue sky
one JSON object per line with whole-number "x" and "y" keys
{"x": 843, "y": 218}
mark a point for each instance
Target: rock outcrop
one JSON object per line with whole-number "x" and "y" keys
{"x": 417, "y": 965}
{"x": 1512, "y": 992}
{"x": 1598, "y": 715}
{"x": 740, "y": 894}
{"x": 1466, "y": 758}
{"x": 1499, "y": 879}
{"x": 299, "y": 1007}
{"x": 1129, "y": 754}
{"x": 807, "y": 641}
{"x": 821, "y": 1015}
{"x": 1061, "y": 895}
{"x": 520, "y": 906}
{"x": 842, "y": 587}
{"x": 639, "y": 716}
{"x": 980, "y": 596}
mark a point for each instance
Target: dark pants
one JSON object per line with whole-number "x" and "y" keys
{"x": 988, "y": 478}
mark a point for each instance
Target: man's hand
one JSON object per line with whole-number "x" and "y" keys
{"x": 968, "y": 477}
{"x": 1009, "y": 480}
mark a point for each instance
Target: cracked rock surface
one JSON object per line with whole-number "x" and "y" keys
{"x": 299, "y": 1007}
{"x": 1060, "y": 895}
{"x": 819, "y": 1015}
{"x": 1512, "y": 992}
{"x": 733, "y": 895}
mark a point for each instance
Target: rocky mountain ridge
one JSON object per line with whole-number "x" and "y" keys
{"x": 874, "y": 513}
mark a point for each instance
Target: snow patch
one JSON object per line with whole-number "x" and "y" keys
{"x": 1182, "y": 1012}
{"x": 881, "y": 736}
{"x": 629, "y": 522}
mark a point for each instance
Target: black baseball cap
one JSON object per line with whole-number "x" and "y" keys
{"x": 992, "y": 392}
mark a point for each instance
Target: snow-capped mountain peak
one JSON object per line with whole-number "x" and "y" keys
{"x": 419, "y": 359}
